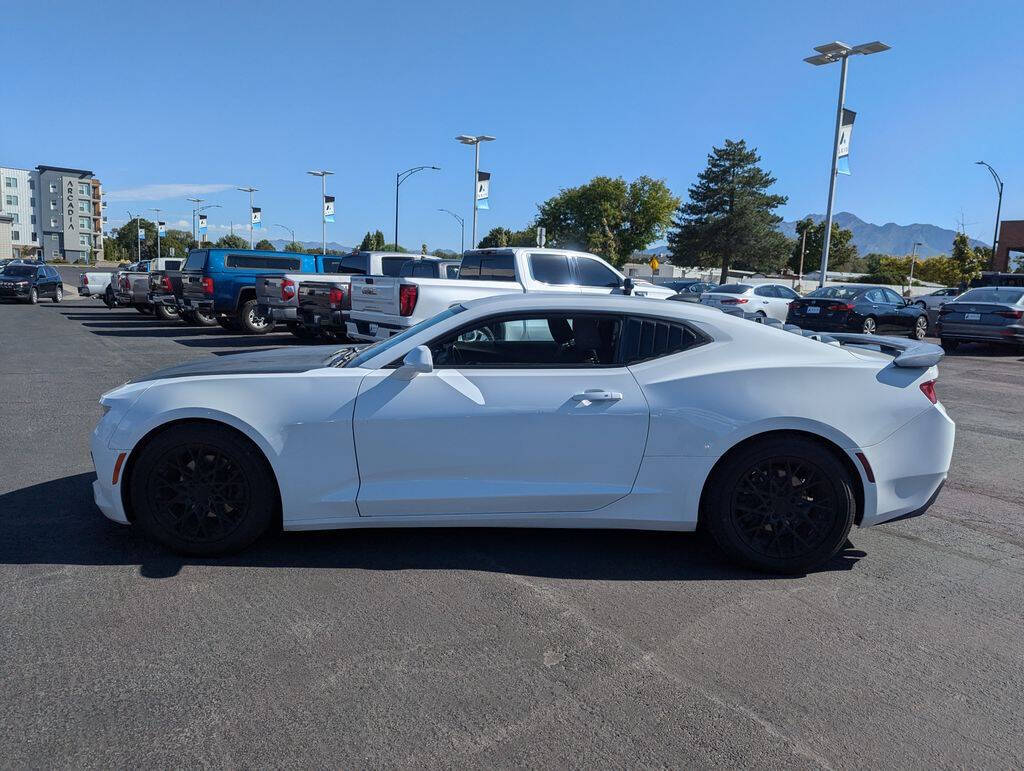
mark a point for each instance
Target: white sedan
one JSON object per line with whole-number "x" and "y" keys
{"x": 537, "y": 410}
{"x": 765, "y": 300}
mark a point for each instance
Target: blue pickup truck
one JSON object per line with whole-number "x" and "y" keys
{"x": 222, "y": 282}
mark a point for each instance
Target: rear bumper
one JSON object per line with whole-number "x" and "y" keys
{"x": 193, "y": 304}
{"x": 1011, "y": 333}
{"x": 278, "y": 314}
{"x": 83, "y": 291}
{"x": 317, "y": 318}
{"x": 372, "y": 331}
{"x": 163, "y": 299}
{"x": 909, "y": 466}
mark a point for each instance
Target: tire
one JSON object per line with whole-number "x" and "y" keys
{"x": 756, "y": 517}
{"x": 108, "y": 297}
{"x": 58, "y": 294}
{"x": 205, "y": 319}
{"x": 33, "y": 296}
{"x": 250, "y": 322}
{"x": 145, "y": 310}
{"x": 165, "y": 313}
{"x": 196, "y": 468}
{"x": 300, "y": 331}
{"x": 920, "y": 331}
{"x": 761, "y": 314}
{"x": 226, "y": 322}
{"x": 949, "y": 345}
{"x": 869, "y": 326}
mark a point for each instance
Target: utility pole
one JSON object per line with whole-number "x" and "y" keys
{"x": 468, "y": 139}
{"x": 913, "y": 259}
{"x": 462, "y": 226}
{"x": 400, "y": 177}
{"x": 322, "y": 173}
{"x": 195, "y": 209}
{"x": 157, "y": 231}
{"x": 803, "y": 250}
{"x": 999, "y": 211}
{"x": 250, "y": 191}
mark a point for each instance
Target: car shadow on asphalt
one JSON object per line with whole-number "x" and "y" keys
{"x": 57, "y": 523}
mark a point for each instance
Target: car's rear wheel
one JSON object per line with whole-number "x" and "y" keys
{"x": 869, "y": 326}
{"x": 251, "y": 321}
{"x": 782, "y": 505}
{"x": 58, "y": 294}
{"x": 920, "y": 328}
{"x": 204, "y": 319}
{"x": 202, "y": 490}
{"x": 949, "y": 345}
{"x": 166, "y": 313}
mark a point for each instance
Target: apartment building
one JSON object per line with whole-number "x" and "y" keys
{"x": 57, "y": 212}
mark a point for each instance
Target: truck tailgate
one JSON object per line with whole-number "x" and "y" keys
{"x": 375, "y": 294}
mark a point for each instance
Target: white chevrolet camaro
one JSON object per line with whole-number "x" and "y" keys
{"x": 537, "y": 410}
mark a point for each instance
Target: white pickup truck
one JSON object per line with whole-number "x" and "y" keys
{"x": 382, "y": 307}
{"x": 279, "y": 295}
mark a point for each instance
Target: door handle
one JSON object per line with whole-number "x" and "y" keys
{"x": 597, "y": 395}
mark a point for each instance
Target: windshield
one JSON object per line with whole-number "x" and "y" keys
{"x": 837, "y": 292}
{"x": 992, "y": 294}
{"x": 370, "y": 351}
{"x": 19, "y": 270}
{"x": 732, "y": 289}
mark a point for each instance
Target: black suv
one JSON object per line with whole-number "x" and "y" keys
{"x": 28, "y": 282}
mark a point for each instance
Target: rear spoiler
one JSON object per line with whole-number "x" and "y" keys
{"x": 906, "y": 352}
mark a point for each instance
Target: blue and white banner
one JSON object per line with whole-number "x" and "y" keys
{"x": 483, "y": 189}
{"x": 845, "y": 131}
{"x": 328, "y": 208}
{"x": 161, "y": 229}
{"x": 257, "y": 216}
{"x": 142, "y": 234}
{"x": 202, "y": 223}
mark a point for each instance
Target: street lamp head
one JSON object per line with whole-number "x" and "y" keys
{"x": 466, "y": 139}
{"x": 436, "y": 168}
{"x": 875, "y": 47}
{"x": 320, "y": 172}
{"x": 486, "y": 138}
{"x": 836, "y": 50}
{"x": 247, "y": 189}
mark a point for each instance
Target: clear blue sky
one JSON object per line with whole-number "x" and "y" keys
{"x": 189, "y": 94}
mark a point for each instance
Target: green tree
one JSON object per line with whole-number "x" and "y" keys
{"x": 366, "y": 245}
{"x": 293, "y": 246}
{"x": 178, "y": 240}
{"x": 499, "y": 237}
{"x": 966, "y": 263}
{"x": 423, "y": 249}
{"x": 231, "y": 242}
{"x": 607, "y": 216}
{"x": 730, "y": 216}
{"x": 265, "y": 245}
{"x": 127, "y": 239}
{"x": 392, "y": 248}
{"x": 378, "y": 242}
{"x": 842, "y": 254}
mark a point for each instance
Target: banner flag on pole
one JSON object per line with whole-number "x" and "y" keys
{"x": 845, "y": 131}
{"x": 161, "y": 229}
{"x": 328, "y": 208}
{"x": 257, "y": 216}
{"x": 142, "y": 234}
{"x": 202, "y": 223}
{"x": 483, "y": 189}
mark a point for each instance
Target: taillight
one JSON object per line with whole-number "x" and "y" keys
{"x": 840, "y": 307}
{"x": 207, "y": 285}
{"x": 85, "y": 279}
{"x": 408, "y": 294}
{"x": 168, "y": 286}
{"x": 1010, "y": 314}
{"x": 125, "y": 284}
{"x": 928, "y": 389}
{"x": 336, "y": 296}
{"x": 287, "y": 289}
{"x": 736, "y": 301}
{"x": 794, "y": 304}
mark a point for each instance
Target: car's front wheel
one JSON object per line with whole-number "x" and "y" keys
{"x": 783, "y": 505}
{"x": 920, "y": 330}
{"x": 58, "y": 294}
{"x": 869, "y": 326}
{"x": 33, "y": 296}
{"x": 202, "y": 490}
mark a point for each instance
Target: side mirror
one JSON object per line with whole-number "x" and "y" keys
{"x": 417, "y": 361}
{"x": 627, "y": 285}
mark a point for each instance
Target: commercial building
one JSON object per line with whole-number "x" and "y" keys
{"x": 6, "y": 246}
{"x": 57, "y": 212}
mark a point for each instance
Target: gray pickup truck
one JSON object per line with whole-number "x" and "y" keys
{"x": 132, "y": 287}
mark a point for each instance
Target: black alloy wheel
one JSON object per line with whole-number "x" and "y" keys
{"x": 202, "y": 490}
{"x": 782, "y": 505}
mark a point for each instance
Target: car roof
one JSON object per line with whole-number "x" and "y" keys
{"x": 565, "y": 301}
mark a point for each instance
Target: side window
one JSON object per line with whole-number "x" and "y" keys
{"x": 550, "y": 268}
{"x": 644, "y": 339}
{"x": 549, "y": 340}
{"x": 422, "y": 269}
{"x": 892, "y": 297}
{"x": 392, "y": 266}
{"x": 452, "y": 271}
{"x": 592, "y": 273}
{"x": 496, "y": 267}
{"x": 765, "y": 290}
{"x": 874, "y": 296}
{"x": 785, "y": 292}
{"x": 261, "y": 263}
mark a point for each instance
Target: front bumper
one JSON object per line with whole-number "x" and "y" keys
{"x": 105, "y": 493}
{"x": 909, "y": 466}
{"x": 14, "y": 292}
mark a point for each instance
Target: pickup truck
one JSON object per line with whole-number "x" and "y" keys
{"x": 165, "y": 291}
{"x": 382, "y": 307}
{"x": 222, "y": 283}
{"x": 132, "y": 287}
{"x": 278, "y": 295}
{"x": 96, "y": 283}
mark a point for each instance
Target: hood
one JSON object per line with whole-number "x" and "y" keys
{"x": 275, "y": 361}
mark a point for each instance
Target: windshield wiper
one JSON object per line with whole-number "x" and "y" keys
{"x": 345, "y": 355}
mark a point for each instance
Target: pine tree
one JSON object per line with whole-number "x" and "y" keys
{"x": 730, "y": 216}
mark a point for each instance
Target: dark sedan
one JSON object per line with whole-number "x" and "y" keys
{"x": 858, "y": 308}
{"x": 688, "y": 291}
{"x": 988, "y": 314}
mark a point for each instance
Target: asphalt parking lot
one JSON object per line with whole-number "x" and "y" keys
{"x": 489, "y": 647}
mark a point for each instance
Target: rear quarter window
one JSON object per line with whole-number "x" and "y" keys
{"x": 196, "y": 259}
{"x": 488, "y": 267}
{"x": 260, "y": 262}
{"x": 644, "y": 339}
{"x": 392, "y": 266}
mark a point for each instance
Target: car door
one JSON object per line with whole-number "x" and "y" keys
{"x": 43, "y": 284}
{"x": 785, "y": 297}
{"x": 522, "y": 414}
{"x": 554, "y": 271}
{"x": 763, "y": 300}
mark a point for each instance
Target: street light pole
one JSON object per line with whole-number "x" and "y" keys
{"x": 400, "y": 177}
{"x": 827, "y": 54}
{"x": 999, "y": 211}
{"x": 250, "y": 191}
{"x": 157, "y": 231}
{"x": 195, "y": 204}
{"x": 913, "y": 259}
{"x": 462, "y": 225}
{"x": 468, "y": 139}
{"x": 322, "y": 173}
{"x": 288, "y": 229}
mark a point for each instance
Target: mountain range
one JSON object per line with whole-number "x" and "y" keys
{"x": 889, "y": 238}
